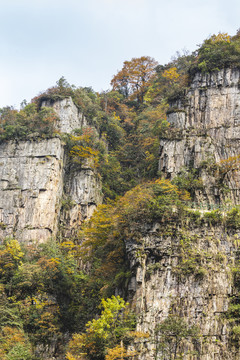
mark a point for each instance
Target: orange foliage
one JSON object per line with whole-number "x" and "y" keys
{"x": 120, "y": 352}
{"x": 10, "y": 336}
{"x": 134, "y": 78}
{"x": 230, "y": 164}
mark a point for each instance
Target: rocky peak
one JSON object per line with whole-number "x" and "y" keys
{"x": 70, "y": 116}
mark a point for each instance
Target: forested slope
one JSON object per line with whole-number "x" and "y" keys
{"x": 164, "y": 235}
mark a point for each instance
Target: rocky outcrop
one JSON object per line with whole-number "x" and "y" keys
{"x": 184, "y": 270}
{"x": 197, "y": 290}
{"x": 70, "y": 117}
{"x": 31, "y": 185}
{"x": 36, "y": 181}
{"x": 204, "y": 132}
{"x": 82, "y": 194}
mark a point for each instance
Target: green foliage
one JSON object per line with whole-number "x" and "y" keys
{"x": 84, "y": 148}
{"x": 217, "y": 52}
{"x": 42, "y": 288}
{"x": 112, "y": 327}
{"x": 194, "y": 260}
{"x": 171, "y": 334}
{"x": 189, "y": 180}
{"x": 213, "y": 217}
{"x": 194, "y": 216}
{"x": 103, "y": 236}
{"x": 26, "y": 122}
{"x": 20, "y": 351}
{"x": 233, "y": 218}
{"x": 233, "y": 311}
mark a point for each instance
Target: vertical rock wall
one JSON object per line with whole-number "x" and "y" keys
{"x": 36, "y": 180}
{"x": 204, "y": 130}
{"x": 31, "y": 184}
{"x": 203, "y": 136}
{"x": 82, "y": 189}
{"x": 163, "y": 284}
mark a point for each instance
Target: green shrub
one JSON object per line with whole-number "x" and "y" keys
{"x": 213, "y": 217}
{"x": 217, "y": 52}
{"x": 28, "y": 121}
{"x": 233, "y": 311}
{"x": 19, "y": 351}
{"x": 233, "y": 218}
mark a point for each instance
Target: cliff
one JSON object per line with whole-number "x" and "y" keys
{"x": 204, "y": 135}
{"x": 36, "y": 180}
{"x": 186, "y": 270}
{"x": 185, "y": 267}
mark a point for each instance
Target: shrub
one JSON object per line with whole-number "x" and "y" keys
{"x": 213, "y": 217}
{"x": 19, "y": 125}
{"x": 233, "y": 218}
{"x": 217, "y": 52}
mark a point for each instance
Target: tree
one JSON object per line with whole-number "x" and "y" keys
{"x": 106, "y": 334}
{"x": 171, "y": 333}
{"x": 134, "y": 78}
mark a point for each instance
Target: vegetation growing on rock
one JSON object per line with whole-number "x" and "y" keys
{"x": 53, "y": 289}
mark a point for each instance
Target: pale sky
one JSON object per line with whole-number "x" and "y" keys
{"x": 87, "y": 41}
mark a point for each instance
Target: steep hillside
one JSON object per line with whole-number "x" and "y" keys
{"x": 120, "y": 214}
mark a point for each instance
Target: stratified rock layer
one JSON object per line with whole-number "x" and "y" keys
{"x": 31, "y": 183}
{"x": 71, "y": 118}
{"x": 163, "y": 284}
{"x": 204, "y": 130}
{"x": 204, "y": 135}
{"x": 36, "y": 181}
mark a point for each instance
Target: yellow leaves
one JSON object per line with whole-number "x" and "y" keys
{"x": 116, "y": 117}
{"x": 49, "y": 265}
{"x": 10, "y": 256}
{"x": 68, "y": 245}
{"x": 80, "y": 152}
{"x": 83, "y": 147}
{"x": 119, "y": 352}
{"x": 14, "y": 249}
{"x": 139, "y": 334}
{"x": 102, "y": 333}
{"x": 220, "y": 37}
{"x": 10, "y": 337}
{"x": 169, "y": 188}
{"x": 76, "y": 347}
{"x": 97, "y": 229}
{"x": 69, "y": 356}
{"x": 171, "y": 74}
{"x": 230, "y": 164}
{"x": 70, "y": 249}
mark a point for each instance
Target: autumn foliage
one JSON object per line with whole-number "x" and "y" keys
{"x": 135, "y": 77}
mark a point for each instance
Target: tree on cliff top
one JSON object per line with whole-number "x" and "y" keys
{"x": 134, "y": 78}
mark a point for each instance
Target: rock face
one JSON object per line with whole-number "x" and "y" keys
{"x": 70, "y": 116}
{"x": 83, "y": 192}
{"x": 163, "y": 284}
{"x": 35, "y": 180}
{"x": 204, "y": 134}
{"x": 31, "y": 180}
{"x": 187, "y": 270}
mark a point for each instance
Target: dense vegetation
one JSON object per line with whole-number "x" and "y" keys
{"x": 43, "y": 286}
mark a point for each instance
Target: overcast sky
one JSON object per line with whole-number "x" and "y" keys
{"x": 87, "y": 41}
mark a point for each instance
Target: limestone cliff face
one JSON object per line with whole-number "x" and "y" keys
{"x": 163, "y": 284}
{"x": 35, "y": 180}
{"x": 70, "y": 116}
{"x": 204, "y": 130}
{"x": 31, "y": 180}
